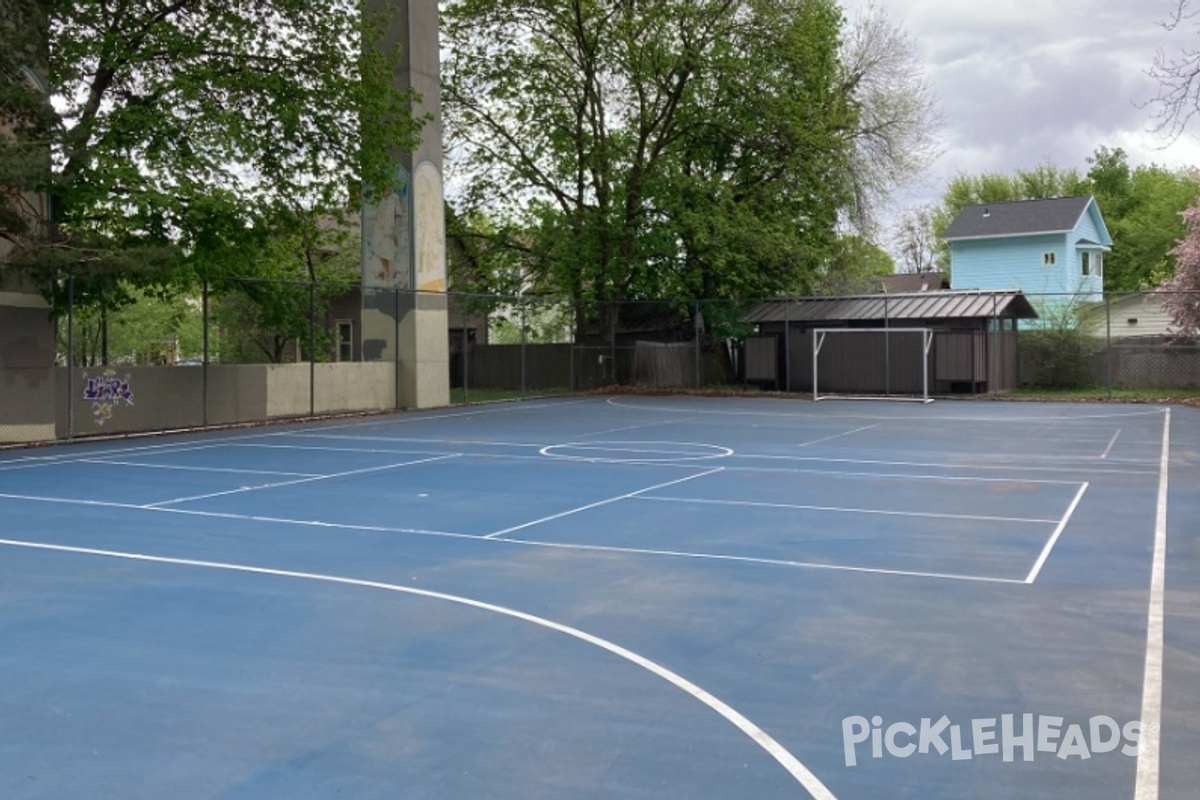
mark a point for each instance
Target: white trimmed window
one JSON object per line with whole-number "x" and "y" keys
{"x": 1048, "y": 259}
{"x": 1085, "y": 263}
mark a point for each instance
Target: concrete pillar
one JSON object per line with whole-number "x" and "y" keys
{"x": 404, "y": 237}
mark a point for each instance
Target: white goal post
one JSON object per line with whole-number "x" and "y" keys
{"x": 926, "y": 334}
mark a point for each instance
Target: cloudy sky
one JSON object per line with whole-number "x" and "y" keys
{"x": 1022, "y": 83}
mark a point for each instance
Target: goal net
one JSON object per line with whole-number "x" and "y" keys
{"x": 871, "y": 363}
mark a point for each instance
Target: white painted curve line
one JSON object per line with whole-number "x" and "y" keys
{"x": 1062, "y": 524}
{"x": 840, "y": 435}
{"x": 1146, "y": 786}
{"x": 280, "y": 484}
{"x": 811, "y": 783}
{"x": 589, "y": 506}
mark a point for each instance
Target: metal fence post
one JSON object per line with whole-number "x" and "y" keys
{"x": 524, "y": 335}
{"x": 70, "y": 355}
{"x": 204, "y": 353}
{"x": 697, "y": 328}
{"x": 1108, "y": 365}
{"x": 997, "y": 343}
{"x": 312, "y": 347}
{"x": 887, "y": 349}
{"x": 612, "y": 337}
{"x": 787, "y": 346}
{"x": 466, "y": 350}
{"x": 571, "y": 351}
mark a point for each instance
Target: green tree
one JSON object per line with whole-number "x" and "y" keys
{"x": 179, "y": 123}
{"x": 300, "y": 264}
{"x": 26, "y": 120}
{"x": 664, "y": 149}
{"x": 1143, "y": 209}
{"x": 854, "y": 262}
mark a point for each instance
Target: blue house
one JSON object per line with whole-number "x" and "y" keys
{"x": 1049, "y": 247}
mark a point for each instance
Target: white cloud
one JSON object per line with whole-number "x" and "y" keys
{"x": 1021, "y": 84}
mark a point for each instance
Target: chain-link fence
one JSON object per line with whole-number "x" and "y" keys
{"x": 242, "y": 351}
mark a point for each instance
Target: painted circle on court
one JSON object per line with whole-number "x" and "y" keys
{"x": 636, "y": 452}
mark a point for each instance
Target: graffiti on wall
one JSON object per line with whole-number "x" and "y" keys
{"x": 106, "y": 392}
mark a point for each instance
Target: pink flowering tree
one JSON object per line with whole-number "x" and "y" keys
{"x": 1181, "y": 294}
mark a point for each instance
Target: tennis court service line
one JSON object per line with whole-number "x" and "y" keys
{"x": 923, "y": 477}
{"x": 978, "y": 466}
{"x": 185, "y": 468}
{"x": 727, "y": 558}
{"x": 839, "y": 435}
{"x": 1147, "y": 783}
{"x": 940, "y": 418}
{"x": 632, "y": 427}
{"x": 1062, "y": 524}
{"x": 843, "y": 510}
{"x": 414, "y": 440}
{"x": 782, "y": 756}
{"x": 29, "y": 462}
{"x": 279, "y": 484}
{"x": 589, "y": 506}
{"x": 1108, "y": 449}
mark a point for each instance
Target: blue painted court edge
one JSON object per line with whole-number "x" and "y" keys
{"x": 632, "y": 597}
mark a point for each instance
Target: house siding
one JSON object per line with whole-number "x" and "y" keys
{"x": 1017, "y": 262}
{"x": 1114, "y": 318}
{"x": 1014, "y": 263}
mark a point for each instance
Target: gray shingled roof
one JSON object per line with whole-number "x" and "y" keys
{"x": 1024, "y": 218}
{"x": 930, "y": 306}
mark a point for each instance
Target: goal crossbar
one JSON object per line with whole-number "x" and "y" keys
{"x": 926, "y": 347}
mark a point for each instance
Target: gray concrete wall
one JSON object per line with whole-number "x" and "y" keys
{"x": 141, "y": 399}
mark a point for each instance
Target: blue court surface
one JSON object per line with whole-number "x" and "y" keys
{"x": 611, "y": 597}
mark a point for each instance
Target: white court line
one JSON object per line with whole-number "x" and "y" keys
{"x": 1062, "y": 524}
{"x": 297, "y": 482}
{"x": 1108, "y": 449}
{"x": 1147, "y": 784}
{"x": 197, "y": 469}
{"x": 191, "y": 512}
{"x": 801, "y": 774}
{"x": 591, "y": 548}
{"x": 710, "y": 451}
{"x": 631, "y": 428}
{"x": 840, "y": 435}
{"x": 985, "y": 467}
{"x": 25, "y": 462}
{"x": 938, "y": 419}
{"x": 902, "y": 476}
{"x": 589, "y": 506}
{"x": 414, "y": 440}
{"x": 409, "y": 417}
{"x": 841, "y": 510}
{"x": 733, "y": 455}
{"x": 323, "y": 449}
{"x": 74, "y": 458}
{"x": 773, "y": 562}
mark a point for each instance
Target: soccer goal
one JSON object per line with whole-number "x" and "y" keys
{"x": 873, "y": 363}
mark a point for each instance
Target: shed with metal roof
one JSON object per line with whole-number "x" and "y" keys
{"x": 973, "y": 348}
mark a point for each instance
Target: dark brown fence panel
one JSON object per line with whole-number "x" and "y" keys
{"x": 520, "y": 367}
